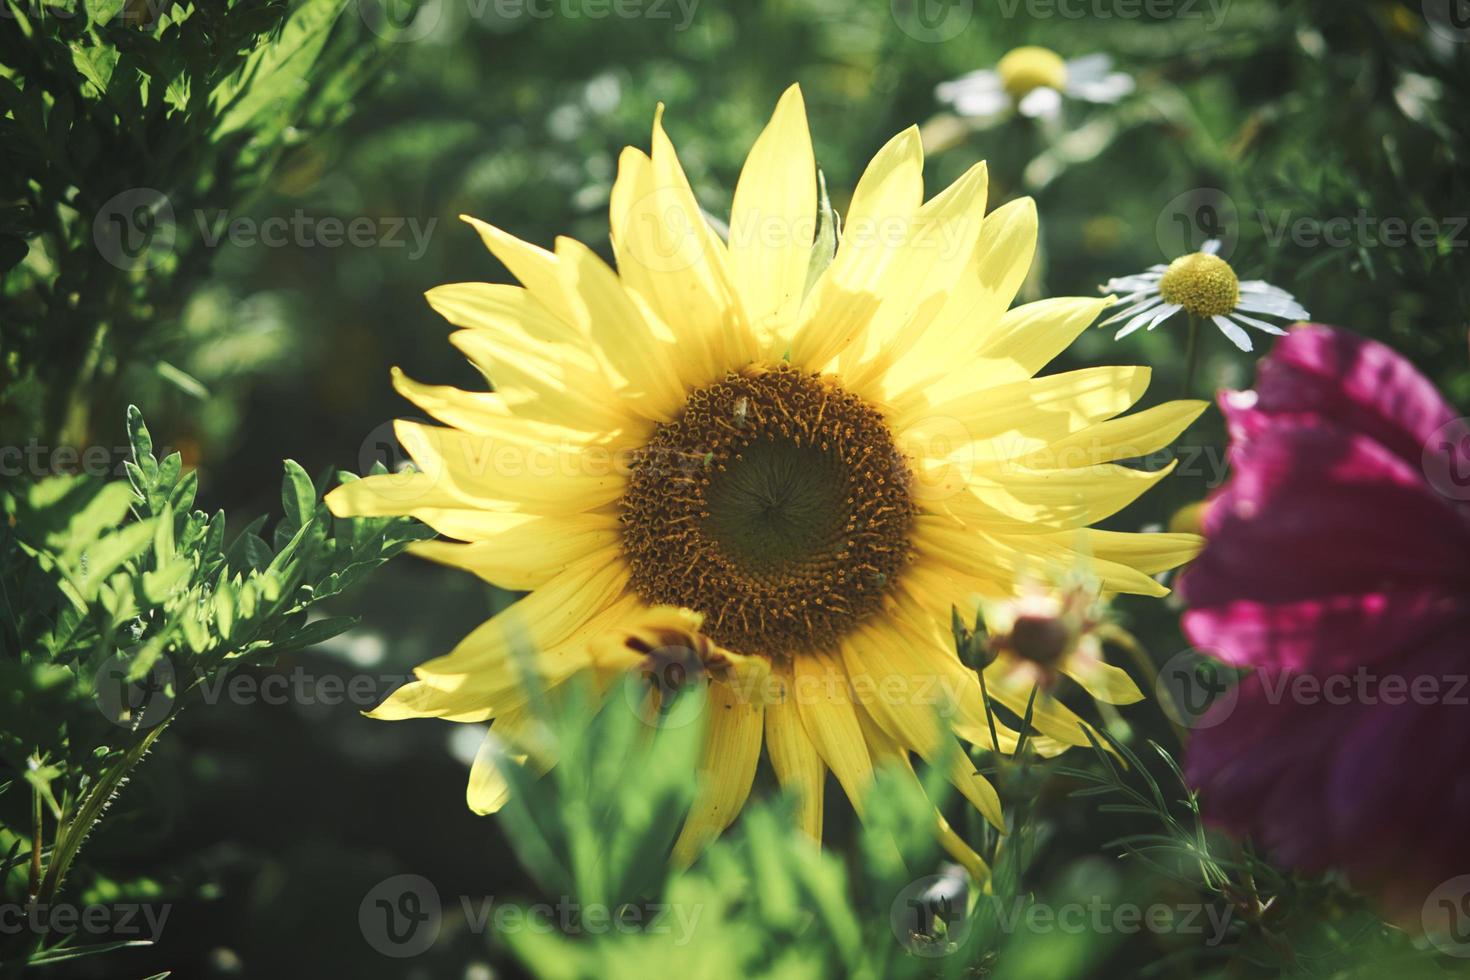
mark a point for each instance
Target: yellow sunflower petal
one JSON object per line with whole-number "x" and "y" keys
{"x": 488, "y": 789}
{"x": 794, "y": 758}
{"x": 540, "y": 625}
{"x": 772, "y": 219}
{"x": 910, "y": 710}
{"x": 530, "y": 552}
{"x": 1033, "y": 334}
{"x": 540, "y": 477}
{"x": 732, "y": 745}
{"x": 938, "y": 254}
{"x": 641, "y": 352}
{"x": 1149, "y": 553}
{"x": 1102, "y": 680}
{"x": 552, "y": 383}
{"x": 419, "y": 700}
{"x": 878, "y": 227}
{"x": 391, "y": 495}
{"x": 501, "y": 307}
{"x": 473, "y": 411}
{"x": 1138, "y": 434}
{"x": 825, "y": 705}
{"x": 1042, "y": 409}
{"x": 888, "y": 753}
{"x": 1044, "y": 500}
{"x": 533, "y": 266}
{"x": 1002, "y": 257}
{"x": 667, "y": 251}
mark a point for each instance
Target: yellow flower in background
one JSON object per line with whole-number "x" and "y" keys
{"x": 778, "y": 488}
{"x": 1046, "y": 632}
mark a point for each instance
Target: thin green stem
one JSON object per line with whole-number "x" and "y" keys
{"x": 37, "y": 827}
{"x": 71, "y": 833}
{"x": 989, "y": 715}
{"x": 1191, "y": 356}
{"x": 1128, "y": 643}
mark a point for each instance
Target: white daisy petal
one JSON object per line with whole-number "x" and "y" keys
{"x": 1211, "y": 247}
{"x": 1251, "y": 321}
{"x": 1128, "y": 311}
{"x": 1089, "y": 67}
{"x": 1163, "y": 313}
{"x": 1261, "y": 286}
{"x": 982, "y": 102}
{"x": 1236, "y": 336}
{"x": 1041, "y": 103}
{"x": 1109, "y": 88}
{"x": 982, "y": 80}
{"x": 1131, "y": 284}
{"x": 1288, "y": 308}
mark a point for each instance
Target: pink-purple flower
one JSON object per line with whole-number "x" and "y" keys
{"x": 1338, "y": 570}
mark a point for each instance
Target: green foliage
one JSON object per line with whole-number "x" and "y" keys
{"x": 125, "y": 128}
{"x": 118, "y": 600}
{"x": 599, "y": 826}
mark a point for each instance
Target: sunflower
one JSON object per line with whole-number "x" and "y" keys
{"x": 774, "y": 467}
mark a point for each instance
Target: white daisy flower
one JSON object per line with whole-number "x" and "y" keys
{"x": 1203, "y": 285}
{"x": 1034, "y": 79}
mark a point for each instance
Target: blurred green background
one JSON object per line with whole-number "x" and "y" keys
{"x": 265, "y": 824}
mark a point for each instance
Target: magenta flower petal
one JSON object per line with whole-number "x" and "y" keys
{"x": 1362, "y": 384}
{"x": 1338, "y": 567}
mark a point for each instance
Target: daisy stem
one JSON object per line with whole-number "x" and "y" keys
{"x": 1191, "y": 355}
{"x": 989, "y": 715}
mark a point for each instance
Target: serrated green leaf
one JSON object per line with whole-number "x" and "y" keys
{"x": 142, "y": 444}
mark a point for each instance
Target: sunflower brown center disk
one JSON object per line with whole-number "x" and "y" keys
{"x": 777, "y": 505}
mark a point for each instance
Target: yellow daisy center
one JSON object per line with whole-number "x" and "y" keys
{"x": 777, "y": 504}
{"x": 1203, "y": 284}
{"x": 1025, "y": 69}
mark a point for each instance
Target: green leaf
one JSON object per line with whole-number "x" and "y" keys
{"x": 62, "y": 954}
{"x": 142, "y": 444}
{"x": 178, "y": 377}
{"x": 276, "y": 71}
{"x": 298, "y": 495}
{"x": 102, "y": 558}
{"x": 824, "y": 248}
{"x": 319, "y": 630}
